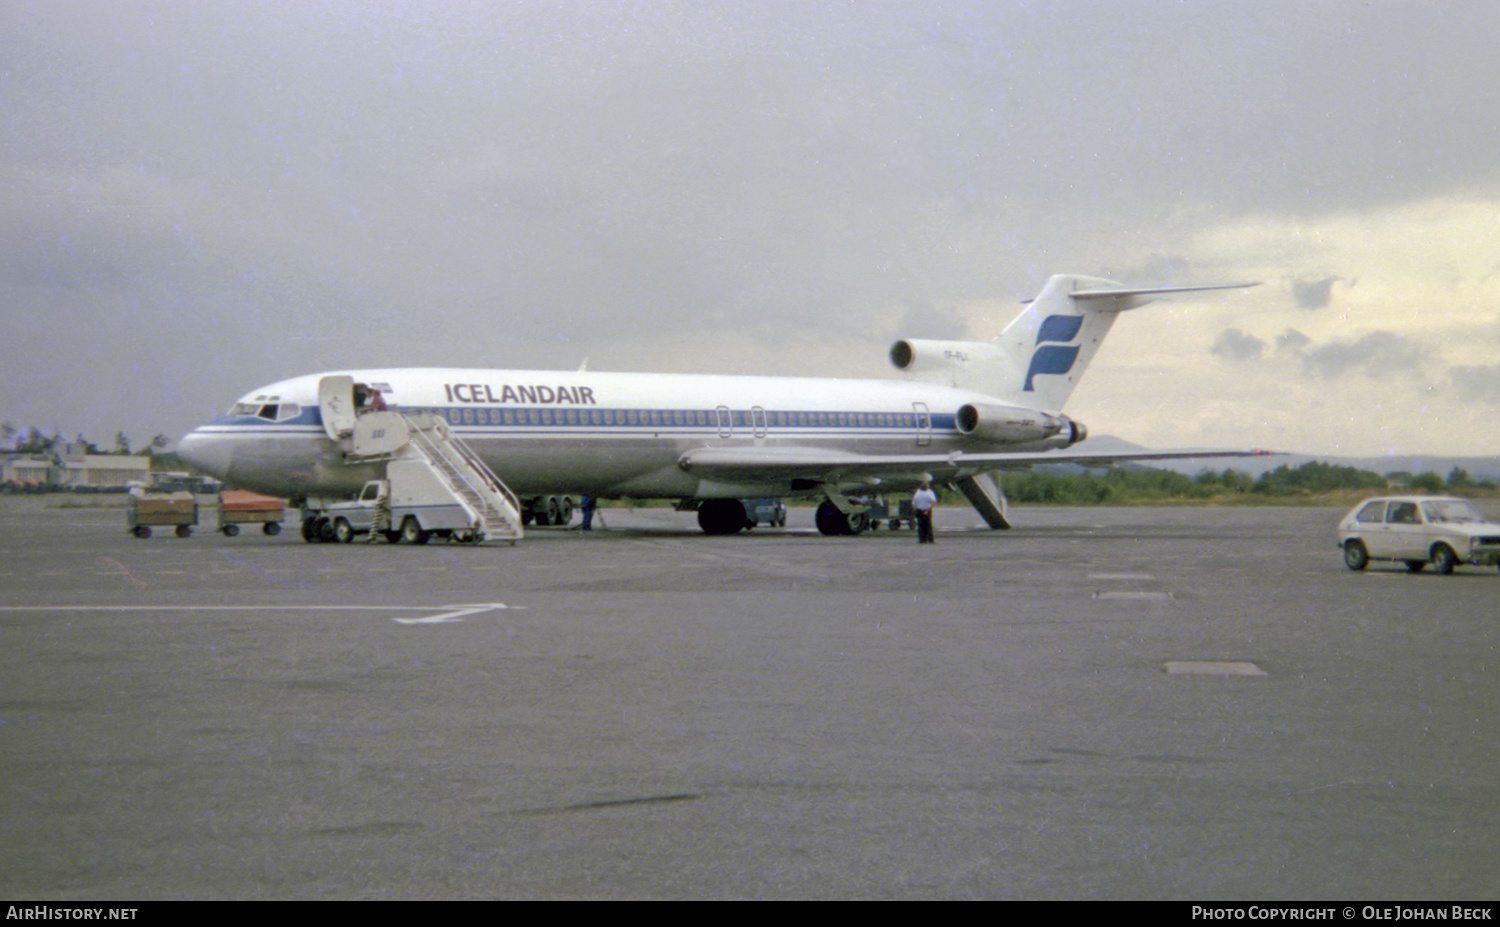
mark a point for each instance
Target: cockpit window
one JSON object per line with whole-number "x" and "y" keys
{"x": 267, "y": 408}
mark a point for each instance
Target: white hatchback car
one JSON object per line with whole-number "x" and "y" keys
{"x": 1418, "y": 530}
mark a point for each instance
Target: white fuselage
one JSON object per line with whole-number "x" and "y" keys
{"x": 588, "y": 433}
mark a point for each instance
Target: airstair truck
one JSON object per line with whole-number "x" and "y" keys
{"x": 411, "y": 504}
{"x": 434, "y": 483}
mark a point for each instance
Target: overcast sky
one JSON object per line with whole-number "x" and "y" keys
{"x": 197, "y": 198}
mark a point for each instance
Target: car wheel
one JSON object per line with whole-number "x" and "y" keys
{"x": 412, "y": 533}
{"x": 343, "y": 532}
{"x": 1444, "y": 559}
{"x": 1355, "y": 556}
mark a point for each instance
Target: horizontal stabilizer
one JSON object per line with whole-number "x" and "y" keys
{"x": 1116, "y": 292}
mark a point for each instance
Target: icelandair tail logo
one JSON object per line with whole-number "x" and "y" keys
{"x": 1054, "y": 358}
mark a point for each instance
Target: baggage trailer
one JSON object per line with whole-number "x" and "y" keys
{"x": 881, "y": 510}
{"x": 238, "y": 508}
{"x": 177, "y": 510}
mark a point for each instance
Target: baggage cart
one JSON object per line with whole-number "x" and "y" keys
{"x": 176, "y": 510}
{"x": 239, "y": 508}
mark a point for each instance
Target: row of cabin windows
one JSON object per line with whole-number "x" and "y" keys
{"x": 274, "y": 412}
{"x": 680, "y": 417}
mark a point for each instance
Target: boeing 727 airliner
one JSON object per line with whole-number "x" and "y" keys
{"x": 963, "y": 411}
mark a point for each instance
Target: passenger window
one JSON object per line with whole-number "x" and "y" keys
{"x": 1403, "y": 513}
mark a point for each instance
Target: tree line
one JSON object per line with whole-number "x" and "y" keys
{"x": 31, "y": 440}
{"x": 1144, "y": 484}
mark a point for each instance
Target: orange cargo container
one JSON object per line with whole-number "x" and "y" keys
{"x": 238, "y": 507}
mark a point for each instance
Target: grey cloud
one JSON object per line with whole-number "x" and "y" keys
{"x": 1313, "y": 294}
{"x": 1291, "y": 341}
{"x": 1376, "y": 354}
{"x": 924, "y": 320}
{"x": 1233, "y": 344}
{"x": 1481, "y": 382}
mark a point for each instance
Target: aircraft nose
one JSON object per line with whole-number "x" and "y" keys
{"x": 207, "y": 452}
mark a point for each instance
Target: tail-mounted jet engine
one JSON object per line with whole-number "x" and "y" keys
{"x": 946, "y": 360}
{"x": 1012, "y": 425}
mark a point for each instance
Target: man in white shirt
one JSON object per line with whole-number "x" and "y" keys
{"x": 922, "y": 503}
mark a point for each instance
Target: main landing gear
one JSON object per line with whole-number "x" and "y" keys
{"x": 834, "y": 523}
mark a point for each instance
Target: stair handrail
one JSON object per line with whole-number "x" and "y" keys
{"x": 474, "y": 463}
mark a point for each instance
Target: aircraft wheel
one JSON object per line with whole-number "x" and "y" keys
{"x": 721, "y": 516}
{"x": 830, "y": 521}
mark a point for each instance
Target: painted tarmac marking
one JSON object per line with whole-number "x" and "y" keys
{"x": 1129, "y": 594}
{"x": 1213, "y": 668}
{"x": 450, "y": 612}
{"x": 457, "y": 614}
{"x": 125, "y": 571}
{"x": 613, "y": 803}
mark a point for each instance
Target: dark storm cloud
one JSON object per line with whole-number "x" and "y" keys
{"x": 491, "y": 184}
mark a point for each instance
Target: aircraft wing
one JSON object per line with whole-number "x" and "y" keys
{"x": 818, "y": 465}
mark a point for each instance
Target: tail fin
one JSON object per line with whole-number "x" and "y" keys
{"x": 1053, "y": 341}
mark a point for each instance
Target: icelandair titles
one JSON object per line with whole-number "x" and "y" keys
{"x": 535, "y": 394}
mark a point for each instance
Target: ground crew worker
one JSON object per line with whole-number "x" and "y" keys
{"x": 922, "y": 503}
